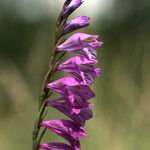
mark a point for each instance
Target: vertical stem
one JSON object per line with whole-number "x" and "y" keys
{"x": 45, "y": 91}
{"x": 43, "y": 97}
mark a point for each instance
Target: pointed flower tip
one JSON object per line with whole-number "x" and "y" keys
{"x": 77, "y": 23}
{"x": 99, "y": 72}
{"x": 96, "y": 44}
{"x": 102, "y": 43}
{"x": 70, "y": 7}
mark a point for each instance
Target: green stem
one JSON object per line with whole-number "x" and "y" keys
{"x": 45, "y": 92}
{"x": 37, "y": 127}
{"x": 44, "y": 96}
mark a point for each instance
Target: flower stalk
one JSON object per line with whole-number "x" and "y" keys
{"x": 45, "y": 91}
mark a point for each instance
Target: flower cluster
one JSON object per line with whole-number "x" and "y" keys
{"x": 74, "y": 90}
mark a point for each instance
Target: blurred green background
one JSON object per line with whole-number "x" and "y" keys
{"x": 122, "y": 105}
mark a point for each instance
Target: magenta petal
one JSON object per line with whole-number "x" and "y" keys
{"x": 89, "y": 53}
{"x": 79, "y": 60}
{"x": 71, "y": 87}
{"x": 96, "y": 44}
{"x": 65, "y": 81}
{"x": 86, "y": 38}
{"x": 82, "y": 91}
{"x": 78, "y": 113}
{"x": 77, "y": 23}
{"x": 55, "y": 146}
{"x": 60, "y": 105}
{"x": 89, "y": 73}
{"x": 66, "y": 129}
{"x": 59, "y": 146}
{"x": 83, "y": 36}
{"x": 61, "y": 84}
{"x": 82, "y": 116}
{"x": 82, "y": 70}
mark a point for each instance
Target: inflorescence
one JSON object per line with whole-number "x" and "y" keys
{"x": 74, "y": 91}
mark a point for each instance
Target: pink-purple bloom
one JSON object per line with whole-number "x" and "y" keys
{"x": 66, "y": 129}
{"x": 70, "y": 6}
{"x": 74, "y": 24}
{"x": 78, "y": 111}
{"x": 74, "y": 90}
{"x": 81, "y": 43}
{"x": 82, "y": 68}
{"x": 55, "y": 146}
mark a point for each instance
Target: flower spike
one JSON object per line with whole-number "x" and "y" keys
{"x": 74, "y": 91}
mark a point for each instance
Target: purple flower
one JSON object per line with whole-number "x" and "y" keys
{"x": 77, "y": 111}
{"x": 81, "y": 43}
{"x": 55, "y": 146}
{"x": 58, "y": 146}
{"x": 70, "y": 6}
{"x": 75, "y": 24}
{"x": 81, "y": 60}
{"x": 66, "y": 129}
{"x": 81, "y": 68}
{"x": 72, "y": 89}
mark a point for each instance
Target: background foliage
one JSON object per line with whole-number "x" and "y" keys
{"x": 122, "y": 105}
